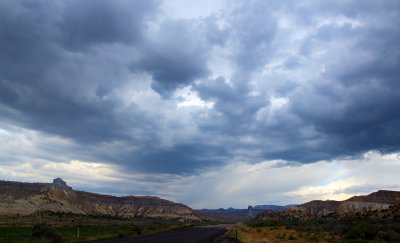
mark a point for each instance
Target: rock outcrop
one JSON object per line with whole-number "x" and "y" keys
{"x": 58, "y": 182}
{"x": 358, "y": 205}
{"x": 30, "y": 198}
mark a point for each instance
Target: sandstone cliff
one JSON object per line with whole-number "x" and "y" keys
{"x": 29, "y": 198}
{"x": 358, "y": 205}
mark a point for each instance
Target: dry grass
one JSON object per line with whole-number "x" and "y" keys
{"x": 275, "y": 234}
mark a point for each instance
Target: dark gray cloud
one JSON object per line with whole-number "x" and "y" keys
{"x": 347, "y": 108}
{"x": 287, "y": 80}
{"x": 175, "y": 57}
{"x": 253, "y": 29}
{"x": 57, "y": 91}
{"x": 234, "y": 103}
{"x": 88, "y": 23}
{"x": 182, "y": 158}
{"x": 354, "y": 101}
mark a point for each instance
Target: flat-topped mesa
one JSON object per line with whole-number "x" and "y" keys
{"x": 18, "y": 198}
{"x": 58, "y": 182}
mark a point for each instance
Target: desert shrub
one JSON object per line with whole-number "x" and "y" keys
{"x": 42, "y": 230}
{"x": 39, "y": 230}
{"x": 292, "y": 237}
{"x": 281, "y": 236}
{"x": 389, "y": 236}
{"x": 339, "y": 229}
{"x": 137, "y": 229}
{"x": 312, "y": 237}
{"x": 259, "y": 224}
{"x": 362, "y": 231}
{"x": 54, "y": 236}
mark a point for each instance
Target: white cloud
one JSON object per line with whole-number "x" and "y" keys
{"x": 281, "y": 182}
{"x": 18, "y": 144}
{"x": 236, "y": 184}
{"x": 186, "y": 97}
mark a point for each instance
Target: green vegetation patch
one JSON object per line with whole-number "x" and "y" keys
{"x": 15, "y": 233}
{"x": 44, "y": 232}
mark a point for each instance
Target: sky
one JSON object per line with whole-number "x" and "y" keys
{"x": 208, "y": 103}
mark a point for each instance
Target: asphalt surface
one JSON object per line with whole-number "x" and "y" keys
{"x": 186, "y": 235}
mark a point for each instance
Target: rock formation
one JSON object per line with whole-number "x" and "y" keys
{"x": 29, "y": 198}
{"x": 358, "y": 205}
{"x": 58, "y": 182}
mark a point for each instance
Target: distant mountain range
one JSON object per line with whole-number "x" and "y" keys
{"x": 375, "y": 202}
{"x": 17, "y": 198}
{"x": 234, "y": 214}
{"x": 276, "y": 208}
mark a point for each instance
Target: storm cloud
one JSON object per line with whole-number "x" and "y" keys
{"x": 128, "y": 84}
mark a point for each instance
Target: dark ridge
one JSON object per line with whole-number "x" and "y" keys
{"x": 381, "y": 196}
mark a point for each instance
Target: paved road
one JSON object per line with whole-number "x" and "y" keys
{"x": 186, "y": 235}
